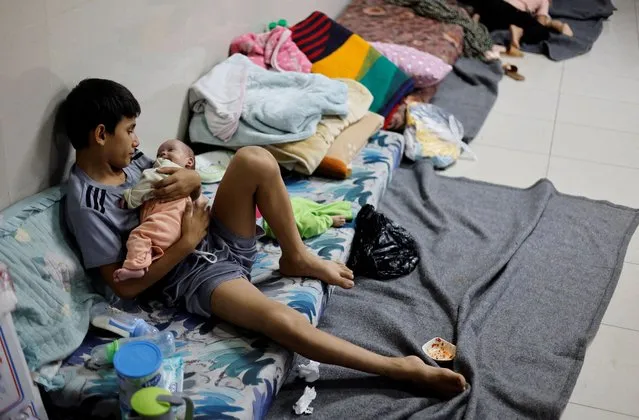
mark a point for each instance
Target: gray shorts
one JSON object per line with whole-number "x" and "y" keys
{"x": 195, "y": 278}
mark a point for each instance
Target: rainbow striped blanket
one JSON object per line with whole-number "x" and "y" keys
{"x": 337, "y": 52}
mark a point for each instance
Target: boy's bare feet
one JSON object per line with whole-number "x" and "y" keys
{"x": 566, "y": 30}
{"x": 560, "y": 27}
{"x": 516, "y": 33}
{"x": 443, "y": 382}
{"x": 338, "y": 221}
{"x": 307, "y": 264}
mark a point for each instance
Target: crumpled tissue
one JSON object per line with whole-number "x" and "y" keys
{"x": 302, "y": 405}
{"x": 309, "y": 372}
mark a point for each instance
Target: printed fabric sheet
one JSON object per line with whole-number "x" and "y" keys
{"x": 232, "y": 373}
{"x": 378, "y": 21}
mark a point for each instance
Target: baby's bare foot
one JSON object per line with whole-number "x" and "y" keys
{"x": 126, "y": 274}
{"x": 310, "y": 265}
{"x": 338, "y": 221}
{"x": 443, "y": 382}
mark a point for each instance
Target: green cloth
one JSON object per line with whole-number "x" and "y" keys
{"x": 312, "y": 218}
{"x": 477, "y": 39}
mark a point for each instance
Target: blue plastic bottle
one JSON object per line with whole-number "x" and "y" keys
{"x": 119, "y": 322}
{"x": 104, "y": 353}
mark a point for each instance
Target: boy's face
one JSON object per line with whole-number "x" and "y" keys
{"x": 120, "y": 146}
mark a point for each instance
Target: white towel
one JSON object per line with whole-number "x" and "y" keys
{"x": 219, "y": 94}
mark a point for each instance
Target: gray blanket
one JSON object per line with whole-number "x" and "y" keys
{"x": 518, "y": 279}
{"x": 585, "y": 17}
{"x": 469, "y": 93}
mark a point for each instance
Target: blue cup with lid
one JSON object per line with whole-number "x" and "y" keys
{"x": 138, "y": 365}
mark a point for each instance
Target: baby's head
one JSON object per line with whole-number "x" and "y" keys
{"x": 177, "y": 152}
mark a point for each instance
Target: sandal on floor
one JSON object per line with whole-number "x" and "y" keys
{"x": 512, "y": 71}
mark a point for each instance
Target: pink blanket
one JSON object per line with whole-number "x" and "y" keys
{"x": 273, "y": 49}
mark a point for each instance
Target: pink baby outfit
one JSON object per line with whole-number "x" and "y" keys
{"x": 160, "y": 227}
{"x": 534, "y": 7}
{"x": 274, "y": 49}
{"x": 160, "y": 223}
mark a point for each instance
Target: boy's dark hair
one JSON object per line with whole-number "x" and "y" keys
{"x": 93, "y": 102}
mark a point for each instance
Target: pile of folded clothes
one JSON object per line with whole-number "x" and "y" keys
{"x": 312, "y": 94}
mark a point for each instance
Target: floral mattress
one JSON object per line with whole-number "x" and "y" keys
{"x": 228, "y": 372}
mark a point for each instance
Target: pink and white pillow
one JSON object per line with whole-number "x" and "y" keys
{"x": 425, "y": 69}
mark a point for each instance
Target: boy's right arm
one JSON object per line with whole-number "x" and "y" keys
{"x": 102, "y": 247}
{"x": 195, "y": 224}
{"x": 161, "y": 267}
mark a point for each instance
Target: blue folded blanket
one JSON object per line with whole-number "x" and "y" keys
{"x": 245, "y": 104}
{"x": 53, "y": 290}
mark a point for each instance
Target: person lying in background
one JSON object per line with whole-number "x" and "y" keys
{"x": 527, "y": 20}
{"x": 540, "y": 9}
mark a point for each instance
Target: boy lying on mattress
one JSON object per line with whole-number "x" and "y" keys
{"x": 100, "y": 118}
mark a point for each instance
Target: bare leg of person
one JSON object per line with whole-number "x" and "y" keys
{"x": 515, "y": 38}
{"x": 543, "y": 19}
{"x": 556, "y": 25}
{"x": 561, "y": 27}
{"x": 253, "y": 178}
{"x": 241, "y": 303}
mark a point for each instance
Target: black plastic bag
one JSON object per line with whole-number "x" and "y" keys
{"x": 381, "y": 249}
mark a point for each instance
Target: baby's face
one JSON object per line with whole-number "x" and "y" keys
{"x": 177, "y": 152}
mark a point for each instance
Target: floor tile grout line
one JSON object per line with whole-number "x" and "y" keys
{"x": 599, "y": 98}
{"x": 511, "y": 114}
{"x": 547, "y": 120}
{"x": 527, "y": 117}
{"x": 621, "y": 328}
{"x": 581, "y": 95}
{"x": 512, "y": 149}
{"x": 595, "y": 162}
{"x": 614, "y": 130}
{"x": 554, "y": 123}
{"x": 630, "y": 262}
{"x": 549, "y": 154}
{"x": 602, "y": 409}
{"x": 586, "y": 125}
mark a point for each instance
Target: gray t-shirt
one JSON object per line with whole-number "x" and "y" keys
{"x": 101, "y": 228}
{"x": 95, "y": 217}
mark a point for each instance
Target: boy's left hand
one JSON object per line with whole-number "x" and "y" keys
{"x": 180, "y": 183}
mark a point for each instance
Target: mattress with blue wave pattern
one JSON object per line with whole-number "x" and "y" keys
{"x": 232, "y": 373}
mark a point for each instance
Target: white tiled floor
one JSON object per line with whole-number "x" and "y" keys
{"x": 577, "y": 123}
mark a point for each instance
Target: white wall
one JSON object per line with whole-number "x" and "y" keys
{"x": 156, "y": 48}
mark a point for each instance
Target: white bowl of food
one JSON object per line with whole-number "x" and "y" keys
{"x": 440, "y": 350}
